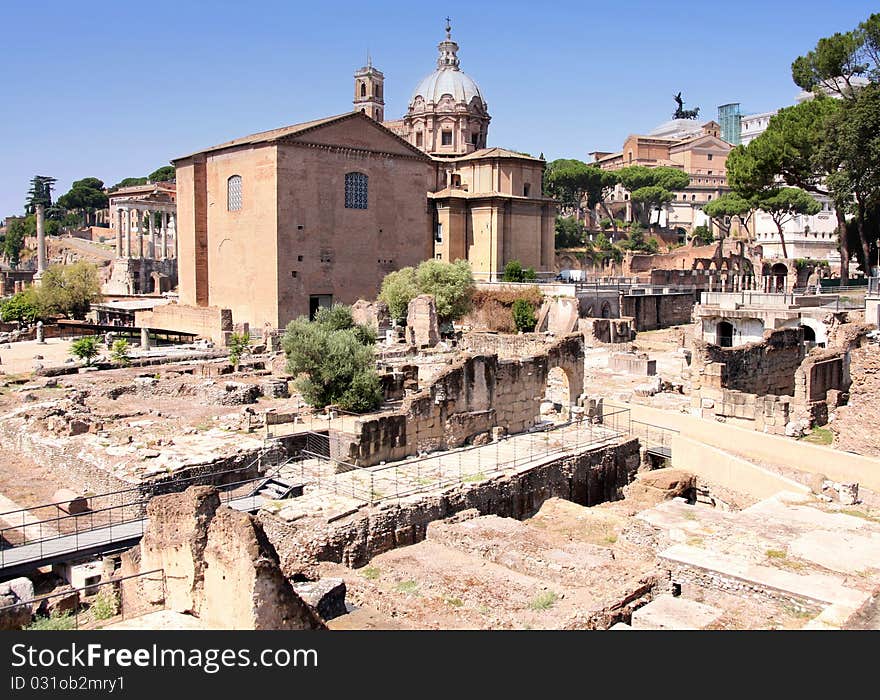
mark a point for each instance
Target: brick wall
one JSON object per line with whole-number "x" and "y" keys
{"x": 653, "y": 311}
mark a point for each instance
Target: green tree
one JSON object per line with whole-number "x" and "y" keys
{"x": 783, "y": 204}
{"x": 726, "y": 207}
{"x": 334, "y": 360}
{"x": 703, "y": 235}
{"x": 21, "y": 307}
{"x": 524, "y": 316}
{"x": 838, "y": 59}
{"x": 398, "y": 289}
{"x": 166, "y": 173}
{"x": 576, "y": 184}
{"x": 120, "y": 352}
{"x": 451, "y": 285}
{"x": 85, "y": 196}
{"x": 129, "y": 182}
{"x": 853, "y": 140}
{"x": 68, "y": 290}
{"x": 651, "y": 188}
{"x": 13, "y": 241}
{"x": 569, "y": 232}
{"x": 40, "y": 192}
{"x": 86, "y": 349}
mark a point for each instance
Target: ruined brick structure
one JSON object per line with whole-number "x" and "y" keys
{"x": 470, "y": 398}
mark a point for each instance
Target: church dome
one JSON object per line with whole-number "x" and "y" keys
{"x": 448, "y": 79}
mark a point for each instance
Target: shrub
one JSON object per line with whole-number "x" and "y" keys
{"x": 524, "y": 316}
{"x": 451, "y": 285}
{"x": 105, "y": 605}
{"x": 334, "y": 359}
{"x": 605, "y": 224}
{"x": 119, "y": 351}
{"x": 238, "y": 345}
{"x": 54, "y": 622}
{"x": 86, "y": 349}
{"x": 22, "y": 307}
{"x": 513, "y": 272}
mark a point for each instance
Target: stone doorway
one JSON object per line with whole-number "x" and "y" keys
{"x": 556, "y": 403}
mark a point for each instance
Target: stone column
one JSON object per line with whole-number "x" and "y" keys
{"x": 119, "y": 233}
{"x": 164, "y": 254}
{"x": 173, "y": 220}
{"x": 41, "y": 242}
{"x": 127, "y": 232}
{"x": 151, "y": 249}
{"x": 140, "y": 238}
{"x": 145, "y": 338}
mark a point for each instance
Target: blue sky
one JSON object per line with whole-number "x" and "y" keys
{"x": 116, "y": 89}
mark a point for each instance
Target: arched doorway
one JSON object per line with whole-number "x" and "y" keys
{"x": 724, "y": 334}
{"x": 606, "y": 310}
{"x": 778, "y": 277}
{"x": 556, "y": 403}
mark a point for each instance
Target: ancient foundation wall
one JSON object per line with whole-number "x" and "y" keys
{"x": 590, "y": 478}
{"x": 652, "y": 311}
{"x": 470, "y": 398}
{"x": 505, "y": 345}
{"x": 767, "y": 367}
{"x": 606, "y": 331}
{"x": 205, "y": 321}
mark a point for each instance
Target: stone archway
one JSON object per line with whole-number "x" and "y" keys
{"x": 556, "y": 403}
{"x": 778, "y": 277}
{"x": 724, "y": 334}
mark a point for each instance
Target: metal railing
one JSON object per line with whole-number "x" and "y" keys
{"x": 444, "y": 469}
{"x": 94, "y": 606}
{"x": 119, "y": 521}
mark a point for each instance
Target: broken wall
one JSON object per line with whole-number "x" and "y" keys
{"x": 471, "y": 397}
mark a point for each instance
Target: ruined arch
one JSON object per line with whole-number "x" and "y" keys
{"x": 778, "y": 277}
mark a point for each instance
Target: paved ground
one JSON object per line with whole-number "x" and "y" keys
{"x": 18, "y": 358}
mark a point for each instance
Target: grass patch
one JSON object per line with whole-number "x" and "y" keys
{"x": 470, "y": 478}
{"x": 797, "y": 612}
{"x": 690, "y": 515}
{"x": 544, "y": 601}
{"x": 407, "y": 587}
{"x": 695, "y": 541}
{"x": 54, "y": 622}
{"x": 859, "y": 514}
{"x": 370, "y": 572}
{"x": 819, "y": 436}
{"x": 454, "y": 602}
{"x": 780, "y": 558}
{"x": 775, "y": 554}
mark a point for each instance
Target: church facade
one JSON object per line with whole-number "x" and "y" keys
{"x": 274, "y": 225}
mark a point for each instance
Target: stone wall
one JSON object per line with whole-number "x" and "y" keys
{"x": 219, "y": 565}
{"x": 606, "y": 331}
{"x": 592, "y": 477}
{"x": 652, "y": 311}
{"x": 767, "y": 367}
{"x": 633, "y": 364}
{"x": 505, "y": 345}
{"x": 472, "y": 396}
{"x": 205, "y": 321}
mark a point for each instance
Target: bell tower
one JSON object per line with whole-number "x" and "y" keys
{"x": 369, "y": 88}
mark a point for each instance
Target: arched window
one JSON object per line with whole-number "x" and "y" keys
{"x": 233, "y": 193}
{"x": 356, "y": 186}
{"x": 363, "y": 89}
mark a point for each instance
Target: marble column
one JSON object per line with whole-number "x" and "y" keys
{"x": 141, "y": 232}
{"x": 119, "y": 233}
{"x": 151, "y": 249}
{"x": 164, "y": 242}
{"x": 173, "y": 220}
{"x": 127, "y": 232}
{"x": 41, "y": 240}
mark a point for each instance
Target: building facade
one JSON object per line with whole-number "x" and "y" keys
{"x": 696, "y": 149}
{"x": 277, "y": 224}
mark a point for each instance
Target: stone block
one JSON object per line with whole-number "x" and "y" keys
{"x": 674, "y": 613}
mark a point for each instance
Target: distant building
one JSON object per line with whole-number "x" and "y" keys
{"x": 697, "y": 149}
{"x": 730, "y": 119}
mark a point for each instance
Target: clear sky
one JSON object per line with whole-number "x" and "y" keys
{"x": 117, "y": 89}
